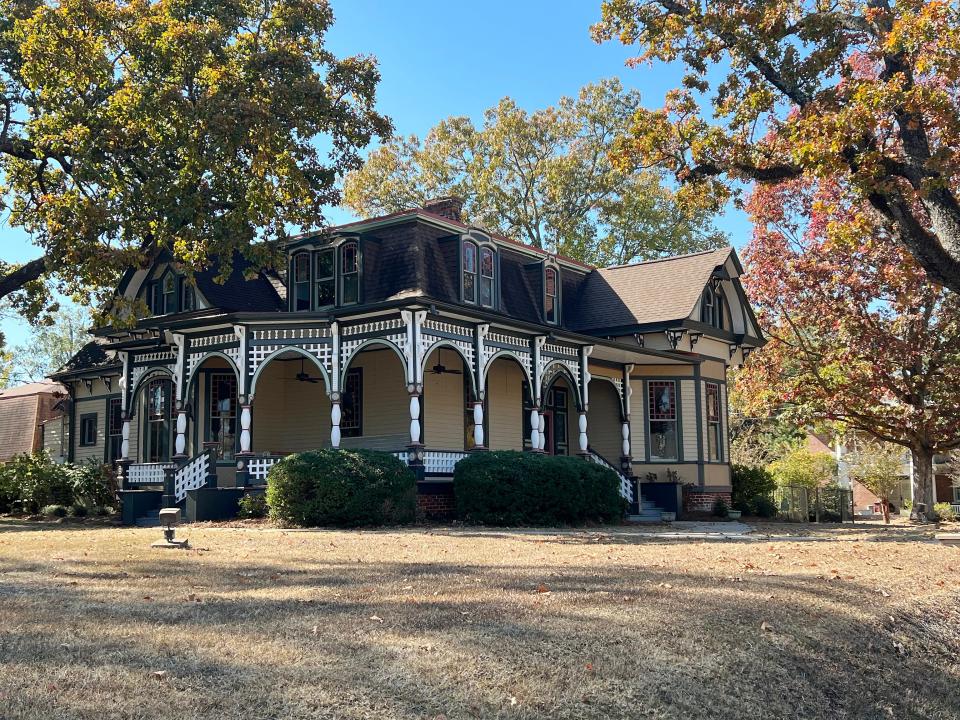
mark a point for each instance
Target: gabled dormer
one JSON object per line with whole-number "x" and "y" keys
{"x": 479, "y": 270}
{"x": 324, "y": 273}
{"x": 169, "y": 292}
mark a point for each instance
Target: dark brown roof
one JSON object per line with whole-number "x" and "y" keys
{"x": 647, "y": 292}
{"x": 90, "y": 357}
{"x": 238, "y": 293}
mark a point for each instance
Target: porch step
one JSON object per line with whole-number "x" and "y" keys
{"x": 649, "y": 512}
{"x": 151, "y": 519}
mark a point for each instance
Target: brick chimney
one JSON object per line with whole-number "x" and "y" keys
{"x": 449, "y": 207}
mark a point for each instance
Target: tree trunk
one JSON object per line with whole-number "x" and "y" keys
{"x": 885, "y": 504}
{"x": 922, "y": 482}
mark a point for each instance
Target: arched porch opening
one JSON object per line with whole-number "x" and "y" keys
{"x": 508, "y": 404}
{"x": 560, "y": 416}
{"x": 213, "y": 398}
{"x": 152, "y": 418}
{"x": 447, "y": 404}
{"x": 291, "y": 408}
{"x": 375, "y": 403}
{"x": 605, "y": 419}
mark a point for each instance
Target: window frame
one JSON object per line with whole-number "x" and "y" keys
{"x": 555, "y": 296}
{"x": 169, "y": 298}
{"x": 342, "y": 274}
{"x": 466, "y": 243}
{"x": 234, "y": 416}
{"x": 483, "y": 278}
{"x": 712, "y": 306}
{"x": 88, "y": 420}
{"x": 187, "y": 290}
{"x": 652, "y": 417}
{"x": 714, "y": 424}
{"x": 296, "y": 284}
{"x": 352, "y": 427}
{"x": 149, "y": 421}
{"x": 316, "y": 279}
{"x": 114, "y": 434}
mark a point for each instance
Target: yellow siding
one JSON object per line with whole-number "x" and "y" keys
{"x": 85, "y": 406}
{"x": 443, "y": 401}
{"x": 638, "y": 414}
{"x": 714, "y": 370}
{"x": 505, "y": 405}
{"x": 289, "y": 415}
{"x": 661, "y": 370}
{"x": 688, "y": 412}
{"x": 386, "y": 404}
{"x": 603, "y": 420}
{"x": 686, "y": 473}
{"x": 716, "y": 475}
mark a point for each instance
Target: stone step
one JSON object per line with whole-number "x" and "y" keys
{"x": 644, "y": 518}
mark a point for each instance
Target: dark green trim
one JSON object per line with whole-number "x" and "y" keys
{"x": 83, "y": 418}
{"x": 701, "y": 422}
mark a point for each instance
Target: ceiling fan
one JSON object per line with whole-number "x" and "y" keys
{"x": 304, "y": 377}
{"x": 439, "y": 369}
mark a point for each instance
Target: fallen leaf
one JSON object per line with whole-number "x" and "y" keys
{"x": 766, "y": 627}
{"x": 541, "y": 588}
{"x": 376, "y": 618}
{"x": 160, "y": 675}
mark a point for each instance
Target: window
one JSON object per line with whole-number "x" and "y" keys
{"x": 349, "y": 274}
{"x": 469, "y": 272}
{"x": 88, "y": 430}
{"x": 711, "y": 308}
{"x": 550, "y": 306}
{"x": 714, "y": 431}
{"x": 325, "y": 288}
{"x": 169, "y": 299}
{"x": 486, "y": 277}
{"x": 301, "y": 281}
{"x": 221, "y": 420}
{"x": 351, "y": 405}
{"x": 155, "y": 298}
{"x": 157, "y": 422}
{"x": 114, "y": 429}
{"x": 662, "y": 397}
{"x": 188, "y": 297}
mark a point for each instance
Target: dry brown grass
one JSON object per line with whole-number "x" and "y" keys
{"x": 259, "y": 623}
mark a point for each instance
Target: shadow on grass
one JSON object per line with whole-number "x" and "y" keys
{"x": 416, "y": 639}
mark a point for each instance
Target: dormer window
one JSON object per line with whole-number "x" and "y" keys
{"x": 301, "y": 281}
{"x": 349, "y": 273}
{"x": 487, "y": 266}
{"x": 169, "y": 290}
{"x": 711, "y": 308}
{"x": 551, "y": 295}
{"x": 325, "y": 283}
{"x": 469, "y": 272}
{"x": 188, "y": 297}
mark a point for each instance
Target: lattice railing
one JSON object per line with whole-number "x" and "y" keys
{"x": 626, "y": 487}
{"x": 191, "y": 476}
{"x": 146, "y": 473}
{"x": 259, "y": 467}
{"x": 441, "y": 462}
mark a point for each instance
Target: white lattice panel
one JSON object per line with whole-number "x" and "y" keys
{"x": 137, "y": 373}
{"x": 315, "y": 341}
{"x": 201, "y": 347}
{"x": 146, "y": 473}
{"x": 560, "y": 350}
{"x": 553, "y": 366}
{"x": 393, "y": 330}
{"x": 191, "y": 476}
{"x": 259, "y": 467}
{"x": 518, "y": 347}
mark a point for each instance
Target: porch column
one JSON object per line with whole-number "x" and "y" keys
{"x": 124, "y": 462}
{"x": 478, "y": 438}
{"x": 541, "y": 433}
{"x": 534, "y": 430}
{"x": 414, "y": 416}
{"x": 335, "y": 415}
{"x": 626, "y": 449}
{"x": 246, "y": 422}
{"x": 180, "y": 443}
{"x": 584, "y": 443}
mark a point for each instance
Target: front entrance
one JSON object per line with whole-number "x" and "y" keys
{"x": 555, "y": 415}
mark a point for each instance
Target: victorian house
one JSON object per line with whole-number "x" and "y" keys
{"x": 416, "y": 334}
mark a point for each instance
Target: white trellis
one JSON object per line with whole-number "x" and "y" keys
{"x": 202, "y": 347}
{"x": 517, "y": 346}
{"x": 393, "y": 330}
{"x": 313, "y": 340}
{"x": 191, "y": 476}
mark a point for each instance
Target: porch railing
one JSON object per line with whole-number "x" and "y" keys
{"x": 191, "y": 476}
{"x": 147, "y": 473}
{"x": 626, "y": 487}
{"x": 259, "y": 467}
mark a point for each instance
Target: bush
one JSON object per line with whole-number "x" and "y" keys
{"x": 906, "y": 505}
{"x": 762, "y": 506}
{"x": 253, "y": 505}
{"x": 749, "y": 483}
{"x": 29, "y": 482}
{"x": 515, "y": 488}
{"x": 79, "y": 510}
{"x": 59, "y": 511}
{"x": 346, "y": 488}
{"x": 720, "y": 509}
{"x": 944, "y": 512}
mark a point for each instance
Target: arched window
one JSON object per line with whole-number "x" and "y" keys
{"x": 301, "y": 281}
{"x": 469, "y": 272}
{"x": 349, "y": 273}
{"x": 325, "y": 293}
{"x": 487, "y": 271}
{"x": 157, "y": 431}
{"x": 169, "y": 304}
{"x": 551, "y": 296}
{"x": 711, "y": 308}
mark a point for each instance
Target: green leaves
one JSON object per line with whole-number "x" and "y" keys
{"x": 545, "y": 177}
{"x": 180, "y": 124}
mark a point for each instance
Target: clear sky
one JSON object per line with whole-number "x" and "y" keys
{"x": 441, "y": 58}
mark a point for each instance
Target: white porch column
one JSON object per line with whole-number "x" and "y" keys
{"x": 125, "y": 439}
{"x": 335, "y": 416}
{"x": 414, "y": 417}
{"x": 534, "y": 429}
{"x": 625, "y": 445}
{"x": 180, "y": 444}
{"x": 246, "y": 420}
{"x": 478, "y": 438}
{"x": 584, "y": 444}
{"x": 541, "y": 433}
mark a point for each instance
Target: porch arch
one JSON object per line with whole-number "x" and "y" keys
{"x": 283, "y": 351}
{"x": 467, "y": 365}
{"x": 345, "y": 365}
{"x": 610, "y": 381}
{"x": 505, "y": 354}
{"x": 199, "y": 364}
{"x": 151, "y": 374}
{"x": 554, "y": 369}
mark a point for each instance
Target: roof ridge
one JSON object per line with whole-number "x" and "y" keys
{"x": 726, "y": 248}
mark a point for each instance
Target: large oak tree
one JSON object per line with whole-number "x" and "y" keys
{"x": 866, "y": 93}
{"x": 197, "y": 126}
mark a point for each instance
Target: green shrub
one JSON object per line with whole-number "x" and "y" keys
{"x": 720, "y": 508}
{"x": 748, "y": 483}
{"x": 253, "y": 505}
{"x": 346, "y": 488}
{"x": 515, "y": 488}
{"x": 54, "y": 511}
{"x": 29, "y": 482}
{"x": 944, "y": 512}
{"x": 906, "y": 505}
{"x": 762, "y": 506}
{"x": 92, "y": 483}
{"x": 78, "y": 510}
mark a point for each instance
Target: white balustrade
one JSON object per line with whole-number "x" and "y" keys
{"x": 146, "y": 473}
{"x": 259, "y": 467}
{"x": 441, "y": 462}
{"x": 626, "y": 487}
{"x": 191, "y": 476}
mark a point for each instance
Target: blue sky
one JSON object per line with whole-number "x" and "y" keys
{"x": 441, "y": 58}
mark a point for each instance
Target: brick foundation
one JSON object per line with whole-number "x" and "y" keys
{"x": 694, "y": 501}
{"x": 436, "y": 506}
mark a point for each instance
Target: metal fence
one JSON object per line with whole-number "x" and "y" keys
{"x": 825, "y": 504}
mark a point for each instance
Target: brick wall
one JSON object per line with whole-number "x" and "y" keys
{"x": 703, "y": 501}
{"x": 436, "y": 506}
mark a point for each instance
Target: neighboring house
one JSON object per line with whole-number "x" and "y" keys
{"x": 25, "y": 411}
{"x": 417, "y": 334}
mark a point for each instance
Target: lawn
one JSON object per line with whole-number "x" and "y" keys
{"x": 460, "y": 623}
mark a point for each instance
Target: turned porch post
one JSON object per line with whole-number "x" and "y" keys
{"x": 478, "y": 439}
{"x": 626, "y": 457}
{"x": 336, "y": 412}
{"x": 582, "y": 424}
{"x": 534, "y": 429}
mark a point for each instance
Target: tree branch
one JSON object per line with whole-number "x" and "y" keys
{"x": 16, "y": 279}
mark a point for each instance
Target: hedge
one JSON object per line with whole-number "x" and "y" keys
{"x": 752, "y": 490}
{"x": 28, "y": 483}
{"x": 516, "y": 488}
{"x": 343, "y": 488}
